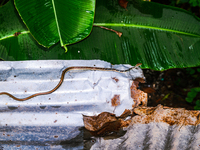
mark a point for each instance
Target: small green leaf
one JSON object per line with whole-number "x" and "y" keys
{"x": 192, "y": 94}
{"x": 190, "y": 71}
{"x": 188, "y": 99}
{"x": 194, "y": 3}
{"x": 185, "y": 90}
{"x": 196, "y": 107}
{"x": 198, "y": 103}
{"x": 196, "y": 89}
{"x": 195, "y": 76}
{"x": 166, "y": 96}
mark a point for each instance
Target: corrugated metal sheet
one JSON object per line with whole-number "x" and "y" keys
{"x": 55, "y": 121}
{"x": 157, "y": 129}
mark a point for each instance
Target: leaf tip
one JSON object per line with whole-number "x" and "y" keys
{"x": 65, "y": 47}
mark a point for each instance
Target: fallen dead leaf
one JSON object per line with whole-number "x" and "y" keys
{"x": 109, "y": 127}
{"x": 95, "y": 123}
{"x": 117, "y": 32}
{"x": 141, "y": 80}
{"x": 125, "y": 114}
{"x": 17, "y": 33}
{"x": 123, "y": 3}
{"x": 104, "y": 123}
{"x": 171, "y": 116}
{"x": 148, "y": 90}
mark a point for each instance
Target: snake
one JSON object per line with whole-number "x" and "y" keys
{"x": 62, "y": 79}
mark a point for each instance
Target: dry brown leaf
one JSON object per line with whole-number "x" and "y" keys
{"x": 105, "y": 123}
{"x": 141, "y": 80}
{"x": 109, "y": 127}
{"x": 123, "y": 3}
{"x": 171, "y": 116}
{"x": 125, "y": 114}
{"x": 117, "y": 32}
{"x": 148, "y": 90}
{"x": 95, "y": 123}
{"x": 17, "y": 33}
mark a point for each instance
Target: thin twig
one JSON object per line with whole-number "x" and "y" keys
{"x": 117, "y": 32}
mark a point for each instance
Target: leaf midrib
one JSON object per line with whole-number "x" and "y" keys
{"x": 12, "y": 35}
{"x": 120, "y": 25}
{"x": 54, "y": 11}
{"x": 144, "y": 27}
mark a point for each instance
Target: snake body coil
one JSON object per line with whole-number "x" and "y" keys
{"x": 62, "y": 78}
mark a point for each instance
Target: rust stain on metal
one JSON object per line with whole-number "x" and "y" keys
{"x": 171, "y": 116}
{"x": 115, "y": 79}
{"x": 138, "y": 96}
{"x": 115, "y": 101}
{"x": 107, "y": 122}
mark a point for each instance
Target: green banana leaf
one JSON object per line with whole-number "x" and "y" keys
{"x": 52, "y": 20}
{"x": 158, "y": 36}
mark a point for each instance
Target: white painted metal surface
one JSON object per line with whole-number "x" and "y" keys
{"x": 48, "y": 120}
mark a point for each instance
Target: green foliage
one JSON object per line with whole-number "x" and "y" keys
{"x": 194, "y": 3}
{"x": 191, "y": 71}
{"x": 193, "y": 74}
{"x": 158, "y": 36}
{"x": 197, "y": 107}
{"x": 3, "y": 2}
{"x": 196, "y": 89}
{"x": 188, "y": 99}
{"x": 50, "y": 21}
{"x": 191, "y": 96}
